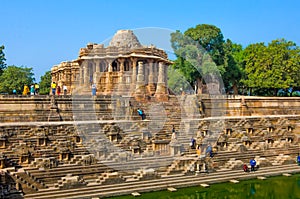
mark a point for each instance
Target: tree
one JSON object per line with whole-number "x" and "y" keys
{"x": 2, "y": 60}
{"x": 272, "y": 67}
{"x": 15, "y": 77}
{"x": 211, "y": 39}
{"x": 188, "y": 57}
{"x": 199, "y": 54}
{"x": 233, "y": 64}
{"x": 45, "y": 83}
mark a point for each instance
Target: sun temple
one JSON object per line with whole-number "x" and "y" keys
{"x": 84, "y": 146}
{"x": 125, "y": 67}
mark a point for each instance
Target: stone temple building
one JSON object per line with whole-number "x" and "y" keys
{"x": 125, "y": 67}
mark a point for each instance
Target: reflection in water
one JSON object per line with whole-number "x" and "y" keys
{"x": 271, "y": 188}
{"x": 252, "y": 189}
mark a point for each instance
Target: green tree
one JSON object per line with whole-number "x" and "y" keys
{"x": 188, "y": 57}
{"x": 272, "y": 67}
{"x": 2, "y": 60}
{"x": 233, "y": 64}
{"x": 45, "y": 83}
{"x": 15, "y": 77}
{"x": 211, "y": 39}
{"x": 198, "y": 50}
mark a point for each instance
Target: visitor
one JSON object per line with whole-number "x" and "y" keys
{"x": 32, "y": 91}
{"x": 65, "y": 89}
{"x": 298, "y": 159}
{"x": 36, "y": 88}
{"x": 25, "y": 90}
{"x": 174, "y": 137}
{"x": 53, "y": 87}
{"x": 193, "y": 143}
{"x": 14, "y": 91}
{"x": 173, "y": 129}
{"x": 94, "y": 89}
{"x": 209, "y": 151}
{"x": 130, "y": 107}
{"x": 245, "y": 168}
{"x": 252, "y": 164}
{"x": 141, "y": 113}
{"x": 58, "y": 90}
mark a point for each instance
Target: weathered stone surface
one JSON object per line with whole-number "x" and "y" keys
{"x": 125, "y": 38}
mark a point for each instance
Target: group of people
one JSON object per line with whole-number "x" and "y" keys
{"x": 253, "y": 166}
{"x": 56, "y": 89}
{"x": 33, "y": 90}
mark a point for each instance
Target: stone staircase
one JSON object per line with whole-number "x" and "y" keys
{"x": 232, "y": 163}
{"x": 282, "y": 159}
{"x": 140, "y": 175}
{"x": 69, "y": 181}
{"x": 29, "y": 184}
{"x": 159, "y": 184}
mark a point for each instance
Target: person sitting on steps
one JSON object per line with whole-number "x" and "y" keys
{"x": 252, "y": 164}
{"x": 245, "y": 168}
{"x": 141, "y": 113}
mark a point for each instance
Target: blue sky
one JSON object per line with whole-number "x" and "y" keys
{"x": 42, "y": 33}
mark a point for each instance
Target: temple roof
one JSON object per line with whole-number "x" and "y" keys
{"x": 125, "y": 38}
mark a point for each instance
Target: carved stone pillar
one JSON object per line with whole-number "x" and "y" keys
{"x": 85, "y": 73}
{"x": 140, "y": 84}
{"x": 133, "y": 78}
{"x": 151, "y": 85}
{"x": 110, "y": 65}
{"x": 109, "y": 77}
{"x": 140, "y": 75}
{"x": 80, "y": 75}
{"x": 121, "y": 83}
{"x": 94, "y": 66}
{"x": 161, "y": 89}
{"x": 97, "y": 64}
{"x": 155, "y": 71}
{"x": 96, "y": 75}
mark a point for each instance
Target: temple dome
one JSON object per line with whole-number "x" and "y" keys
{"x": 125, "y": 38}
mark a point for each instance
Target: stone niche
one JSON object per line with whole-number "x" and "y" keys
{"x": 3, "y": 142}
{"x": 42, "y": 141}
{"x": 77, "y": 139}
{"x": 64, "y": 154}
{"x": 161, "y": 146}
{"x": 2, "y": 161}
{"x": 24, "y": 158}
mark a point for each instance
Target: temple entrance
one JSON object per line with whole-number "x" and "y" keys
{"x": 115, "y": 66}
{"x": 126, "y": 66}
